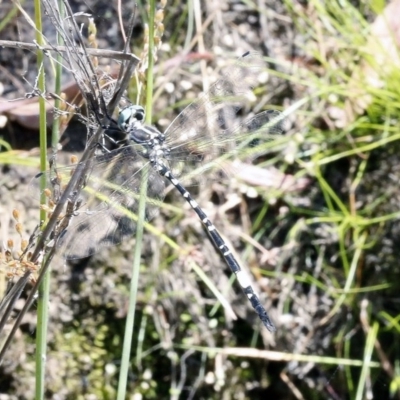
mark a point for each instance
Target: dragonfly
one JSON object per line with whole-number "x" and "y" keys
{"x": 202, "y": 136}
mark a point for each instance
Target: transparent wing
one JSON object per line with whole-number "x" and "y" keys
{"x": 108, "y": 202}
{"x": 216, "y": 110}
{"x": 208, "y": 128}
{"x": 204, "y": 153}
{"x": 261, "y": 127}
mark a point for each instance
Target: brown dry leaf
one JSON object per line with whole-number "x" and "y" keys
{"x": 26, "y": 111}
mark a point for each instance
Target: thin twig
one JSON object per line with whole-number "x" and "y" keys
{"x": 117, "y": 55}
{"x": 77, "y": 180}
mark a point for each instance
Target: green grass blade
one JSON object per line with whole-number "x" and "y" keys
{"x": 130, "y": 320}
{"x": 42, "y": 313}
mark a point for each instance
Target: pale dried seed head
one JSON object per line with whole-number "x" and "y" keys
{"x": 24, "y": 244}
{"x": 160, "y": 30}
{"x": 47, "y": 192}
{"x": 146, "y": 33}
{"x": 10, "y": 244}
{"x": 19, "y": 227}
{"x": 63, "y": 96}
{"x": 95, "y": 62}
{"x": 142, "y": 76}
{"x": 163, "y": 3}
{"x": 15, "y": 214}
{"x": 64, "y": 120}
{"x": 102, "y": 81}
{"x": 29, "y": 265}
{"x": 45, "y": 207}
{"x": 92, "y": 27}
{"x": 8, "y": 255}
{"x": 92, "y": 40}
{"x": 92, "y": 30}
{"x": 159, "y": 16}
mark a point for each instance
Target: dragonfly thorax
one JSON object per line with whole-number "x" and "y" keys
{"x": 131, "y": 119}
{"x": 151, "y": 139}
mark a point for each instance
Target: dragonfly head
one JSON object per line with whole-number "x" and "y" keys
{"x": 131, "y": 120}
{"x": 131, "y": 117}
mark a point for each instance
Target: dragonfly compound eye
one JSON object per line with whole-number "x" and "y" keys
{"x": 129, "y": 116}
